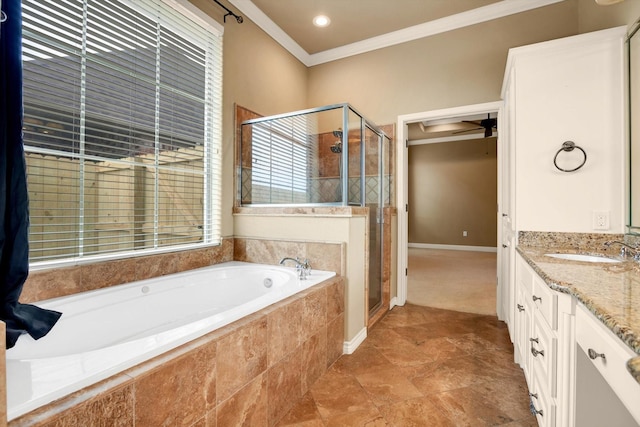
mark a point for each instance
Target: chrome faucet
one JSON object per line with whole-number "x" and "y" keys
{"x": 624, "y": 249}
{"x": 302, "y": 266}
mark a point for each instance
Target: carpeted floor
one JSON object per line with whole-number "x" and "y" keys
{"x": 453, "y": 280}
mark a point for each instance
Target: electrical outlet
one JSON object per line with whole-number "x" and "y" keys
{"x": 601, "y": 220}
{"x": 464, "y": 233}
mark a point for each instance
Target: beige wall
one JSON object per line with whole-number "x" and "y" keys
{"x": 259, "y": 74}
{"x": 452, "y": 187}
{"x": 460, "y": 67}
{"x": 594, "y": 17}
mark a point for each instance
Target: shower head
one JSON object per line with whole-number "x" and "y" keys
{"x": 337, "y": 146}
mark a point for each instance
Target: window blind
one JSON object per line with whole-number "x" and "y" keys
{"x": 122, "y": 124}
{"x": 282, "y": 160}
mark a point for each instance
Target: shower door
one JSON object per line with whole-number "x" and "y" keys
{"x": 374, "y": 201}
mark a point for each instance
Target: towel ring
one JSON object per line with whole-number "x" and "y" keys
{"x": 569, "y": 146}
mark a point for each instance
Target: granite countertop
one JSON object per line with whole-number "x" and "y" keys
{"x": 611, "y": 291}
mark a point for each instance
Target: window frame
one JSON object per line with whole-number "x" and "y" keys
{"x": 212, "y": 141}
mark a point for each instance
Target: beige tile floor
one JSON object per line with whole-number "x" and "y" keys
{"x": 422, "y": 366}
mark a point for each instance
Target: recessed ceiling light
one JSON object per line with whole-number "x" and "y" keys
{"x": 321, "y": 21}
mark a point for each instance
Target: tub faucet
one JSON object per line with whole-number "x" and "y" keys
{"x": 302, "y": 266}
{"x": 624, "y": 249}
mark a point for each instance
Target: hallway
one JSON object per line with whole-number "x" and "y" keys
{"x": 453, "y": 280}
{"x": 422, "y": 366}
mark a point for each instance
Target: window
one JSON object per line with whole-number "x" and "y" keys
{"x": 122, "y": 123}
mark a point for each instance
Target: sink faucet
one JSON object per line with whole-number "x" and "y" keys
{"x": 624, "y": 249}
{"x": 302, "y": 266}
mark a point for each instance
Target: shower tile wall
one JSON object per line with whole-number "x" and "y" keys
{"x": 328, "y": 190}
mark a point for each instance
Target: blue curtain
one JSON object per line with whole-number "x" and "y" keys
{"x": 14, "y": 200}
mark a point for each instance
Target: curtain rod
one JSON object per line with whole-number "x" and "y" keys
{"x": 238, "y": 18}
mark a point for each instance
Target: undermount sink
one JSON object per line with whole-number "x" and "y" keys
{"x": 583, "y": 258}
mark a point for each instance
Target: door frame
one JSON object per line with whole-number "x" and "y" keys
{"x": 402, "y": 176}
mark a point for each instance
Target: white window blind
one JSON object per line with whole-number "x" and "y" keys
{"x": 282, "y": 160}
{"x": 122, "y": 124}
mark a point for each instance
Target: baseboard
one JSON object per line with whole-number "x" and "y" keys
{"x": 350, "y": 346}
{"x": 453, "y": 247}
{"x": 393, "y": 302}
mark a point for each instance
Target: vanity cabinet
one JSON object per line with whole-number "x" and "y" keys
{"x": 543, "y": 317}
{"x": 605, "y": 356}
{"x": 574, "y": 365}
{"x": 569, "y": 89}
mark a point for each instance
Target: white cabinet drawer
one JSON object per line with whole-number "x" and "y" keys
{"x": 595, "y": 338}
{"x": 543, "y": 350}
{"x": 543, "y": 404}
{"x": 546, "y": 300}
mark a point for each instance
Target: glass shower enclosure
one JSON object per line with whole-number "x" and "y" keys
{"x": 326, "y": 156}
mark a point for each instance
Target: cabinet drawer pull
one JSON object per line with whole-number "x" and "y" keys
{"x": 535, "y": 340}
{"x": 537, "y": 352}
{"x": 535, "y": 298}
{"x": 594, "y": 355}
{"x": 520, "y": 308}
{"x": 534, "y": 395}
{"x": 535, "y": 411}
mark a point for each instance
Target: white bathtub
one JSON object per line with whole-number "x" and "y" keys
{"x": 105, "y": 331}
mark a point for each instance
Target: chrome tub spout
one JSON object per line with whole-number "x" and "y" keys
{"x": 302, "y": 266}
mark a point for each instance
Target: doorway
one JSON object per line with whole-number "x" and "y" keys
{"x": 426, "y": 119}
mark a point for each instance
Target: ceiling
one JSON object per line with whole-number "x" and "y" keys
{"x": 351, "y": 22}
{"x": 478, "y": 126}
{"x": 359, "y": 26}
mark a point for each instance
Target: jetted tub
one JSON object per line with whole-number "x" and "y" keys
{"x": 106, "y": 331}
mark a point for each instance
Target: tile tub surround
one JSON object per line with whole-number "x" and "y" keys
{"x": 610, "y": 291}
{"x": 321, "y": 255}
{"x": 58, "y": 282}
{"x": 250, "y": 372}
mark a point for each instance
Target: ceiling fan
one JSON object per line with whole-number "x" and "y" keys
{"x": 487, "y": 124}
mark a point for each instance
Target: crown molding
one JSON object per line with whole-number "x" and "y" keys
{"x": 252, "y": 12}
{"x": 475, "y": 16}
